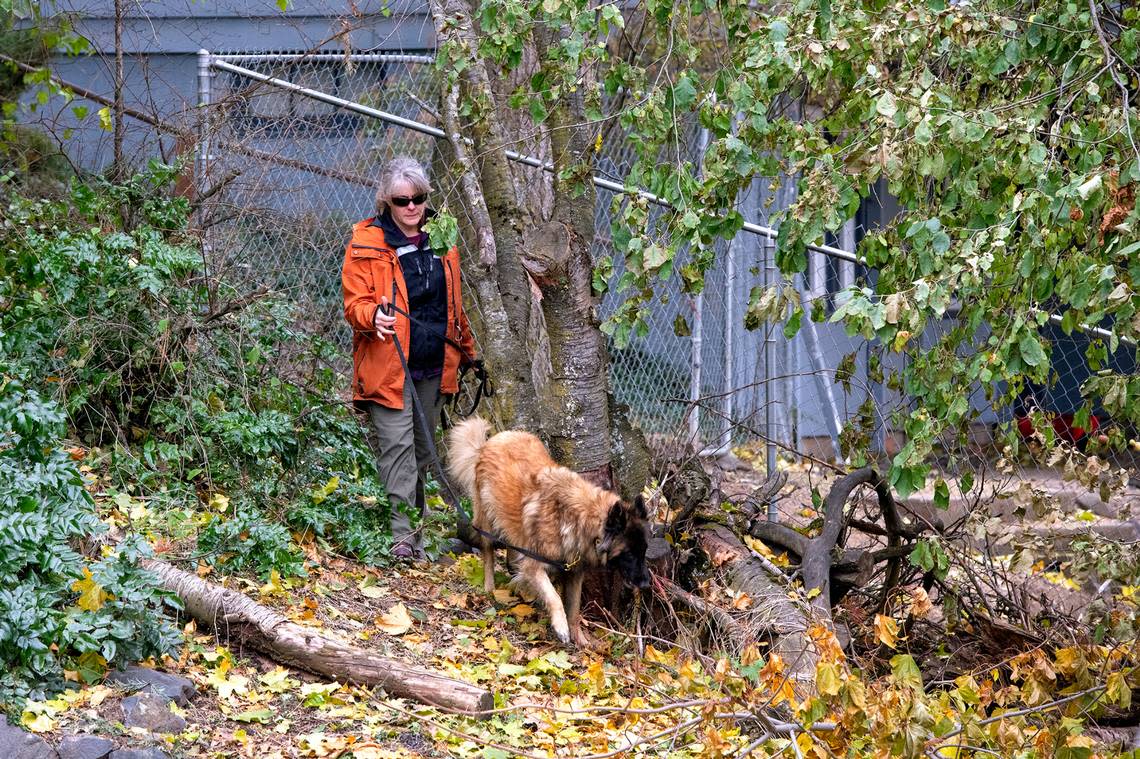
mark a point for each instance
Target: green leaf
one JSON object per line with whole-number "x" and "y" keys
{"x": 905, "y": 671}
{"x": 443, "y": 232}
{"x": 681, "y": 327}
{"x": 922, "y": 557}
{"x": 886, "y": 105}
{"x": 1031, "y": 351}
{"x": 940, "y": 242}
{"x": 941, "y": 494}
{"x": 538, "y": 110}
{"x": 792, "y": 325}
{"x": 923, "y": 134}
{"x": 684, "y": 93}
{"x": 254, "y": 715}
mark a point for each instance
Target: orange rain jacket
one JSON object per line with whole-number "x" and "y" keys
{"x": 371, "y": 270}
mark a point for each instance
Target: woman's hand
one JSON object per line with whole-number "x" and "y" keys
{"x": 383, "y": 321}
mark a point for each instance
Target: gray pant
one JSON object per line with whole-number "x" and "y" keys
{"x": 404, "y": 455}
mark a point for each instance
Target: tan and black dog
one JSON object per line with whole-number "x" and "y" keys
{"x": 520, "y": 494}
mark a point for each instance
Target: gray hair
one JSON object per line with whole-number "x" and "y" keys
{"x": 402, "y": 169}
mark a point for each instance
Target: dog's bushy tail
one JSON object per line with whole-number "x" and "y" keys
{"x": 464, "y": 442}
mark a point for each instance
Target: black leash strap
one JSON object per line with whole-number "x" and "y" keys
{"x": 469, "y": 363}
{"x": 421, "y": 417}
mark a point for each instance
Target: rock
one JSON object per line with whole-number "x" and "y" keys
{"x": 139, "y": 753}
{"x": 151, "y": 711}
{"x": 15, "y": 743}
{"x": 85, "y": 747}
{"x": 144, "y": 680}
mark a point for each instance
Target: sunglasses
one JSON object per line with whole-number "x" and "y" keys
{"x": 401, "y": 202}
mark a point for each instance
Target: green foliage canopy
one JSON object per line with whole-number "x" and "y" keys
{"x": 1005, "y": 130}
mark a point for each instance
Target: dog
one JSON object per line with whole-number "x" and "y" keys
{"x": 519, "y": 493}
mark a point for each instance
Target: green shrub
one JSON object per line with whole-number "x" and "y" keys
{"x": 192, "y": 385}
{"x": 251, "y": 541}
{"x": 60, "y": 609}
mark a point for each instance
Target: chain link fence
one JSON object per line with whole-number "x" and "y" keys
{"x": 299, "y": 170}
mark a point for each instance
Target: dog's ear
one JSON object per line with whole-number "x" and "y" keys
{"x": 615, "y": 521}
{"x": 639, "y": 507}
{"x": 615, "y": 525}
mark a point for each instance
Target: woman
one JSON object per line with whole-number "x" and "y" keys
{"x": 390, "y": 261}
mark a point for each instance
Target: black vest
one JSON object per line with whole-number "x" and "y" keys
{"x": 427, "y": 294}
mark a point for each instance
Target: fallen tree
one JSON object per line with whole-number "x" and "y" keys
{"x": 239, "y": 617}
{"x": 792, "y": 609}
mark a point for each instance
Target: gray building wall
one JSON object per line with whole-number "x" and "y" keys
{"x": 161, "y": 40}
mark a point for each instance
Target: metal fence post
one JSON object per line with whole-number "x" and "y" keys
{"x": 696, "y": 339}
{"x": 202, "y": 155}
{"x": 769, "y": 247}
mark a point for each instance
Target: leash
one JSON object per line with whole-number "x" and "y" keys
{"x": 469, "y": 364}
{"x": 437, "y": 464}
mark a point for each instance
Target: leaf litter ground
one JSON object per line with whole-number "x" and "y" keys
{"x": 549, "y": 701}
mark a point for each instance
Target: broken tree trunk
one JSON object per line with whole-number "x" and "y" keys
{"x": 267, "y": 631}
{"x": 773, "y": 612}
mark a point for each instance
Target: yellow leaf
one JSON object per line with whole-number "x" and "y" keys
{"x": 219, "y": 502}
{"x": 98, "y": 694}
{"x": 887, "y": 630}
{"x": 321, "y": 744}
{"x": 1118, "y": 690}
{"x": 278, "y": 681}
{"x": 1071, "y": 661}
{"x": 827, "y": 678}
{"x": 504, "y": 596}
{"x": 274, "y": 586}
{"x": 596, "y": 675}
{"x": 1060, "y": 578}
{"x": 91, "y": 594}
{"x": 396, "y": 621}
{"x": 38, "y": 723}
{"x": 227, "y": 686}
{"x": 521, "y": 610}
{"x": 323, "y": 492}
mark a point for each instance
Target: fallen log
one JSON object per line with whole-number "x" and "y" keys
{"x": 263, "y": 629}
{"x": 773, "y": 612}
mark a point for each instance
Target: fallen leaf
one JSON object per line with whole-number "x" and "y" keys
{"x": 254, "y": 715}
{"x": 741, "y": 601}
{"x": 274, "y": 586}
{"x": 227, "y": 686}
{"x": 396, "y": 621}
{"x": 504, "y": 596}
{"x": 278, "y": 681}
{"x": 369, "y": 589}
{"x": 91, "y": 594}
{"x": 40, "y": 723}
{"x": 521, "y": 610}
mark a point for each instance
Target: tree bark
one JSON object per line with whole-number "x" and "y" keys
{"x": 267, "y": 631}
{"x": 541, "y": 330}
{"x": 773, "y": 612}
{"x": 576, "y": 411}
{"x": 501, "y": 288}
